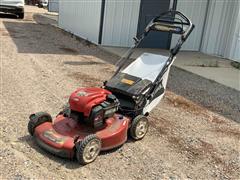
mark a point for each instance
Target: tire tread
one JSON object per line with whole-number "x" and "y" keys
{"x": 36, "y": 121}
{"x": 81, "y": 145}
{"x": 134, "y": 124}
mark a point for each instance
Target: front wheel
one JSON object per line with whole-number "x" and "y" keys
{"x": 37, "y": 119}
{"x": 139, "y": 127}
{"x": 88, "y": 149}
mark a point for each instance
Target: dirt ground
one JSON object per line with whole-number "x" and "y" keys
{"x": 41, "y": 65}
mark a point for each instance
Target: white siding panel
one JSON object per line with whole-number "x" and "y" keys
{"x": 234, "y": 52}
{"x": 120, "y": 22}
{"x": 81, "y": 18}
{"x": 222, "y": 36}
{"x": 53, "y": 5}
{"x": 196, "y": 11}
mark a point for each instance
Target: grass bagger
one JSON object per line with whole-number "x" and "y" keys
{"x": 97, "y": 119}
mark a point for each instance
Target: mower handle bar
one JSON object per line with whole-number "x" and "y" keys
{"x": 169, "y": 19}
{"x": 167, "y": 23}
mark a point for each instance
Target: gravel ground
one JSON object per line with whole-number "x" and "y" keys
{"x": 41, "y": 65}
{"x": 210, "y": 94}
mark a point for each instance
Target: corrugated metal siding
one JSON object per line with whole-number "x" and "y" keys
{"x": 81, "y": 18}
{"x": 120, "y": 22}
{"x": 221, "y": 36}
{"x": 196, "y": 11}
{"x": 234, "y": 52}
{"x": 53, "y": 5}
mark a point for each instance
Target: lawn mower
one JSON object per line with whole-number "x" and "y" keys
{"x": 102, "y": 118}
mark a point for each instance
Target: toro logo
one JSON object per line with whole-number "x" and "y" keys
{"x": 54, "y": 137}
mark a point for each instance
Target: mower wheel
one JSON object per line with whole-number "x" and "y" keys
{"x": 36, "y": 119}
{"x": 139, "y": 127}
{"x": 88, "y": 149}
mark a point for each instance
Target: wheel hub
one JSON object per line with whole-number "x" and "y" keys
{"x": 141, "y": 129}
{"x": 91, "y": 151}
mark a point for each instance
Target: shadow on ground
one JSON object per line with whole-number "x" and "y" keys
{"x": 36, "y": 38}
{"x": 68, "y": 163}
{"x": 63, "y": 161}
{"x": 8, "y": 16}
{"x": 39, "y": 36}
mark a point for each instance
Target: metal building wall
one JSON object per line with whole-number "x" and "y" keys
{"x": 196, "y": 11}
{"x": 120, "y": 22}
{"x": 81, "y": 18}
{"x": 222, "y": 36}
{"x": 53, "y": 5}
{"x": 234, "y": 52}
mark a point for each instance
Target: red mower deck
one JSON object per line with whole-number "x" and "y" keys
{"x": 60, "y": 137}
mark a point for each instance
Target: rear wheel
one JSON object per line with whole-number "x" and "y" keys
{"x": 37, "y": 119}
{"x": 139, "y": 127}
{"x": 88, "y": 149}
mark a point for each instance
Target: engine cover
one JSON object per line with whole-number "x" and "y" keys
{"x": 95, "y": 104}
{"x": 84, "y": 99}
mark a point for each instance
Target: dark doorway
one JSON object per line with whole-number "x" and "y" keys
{"x": 148, "y": 10}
